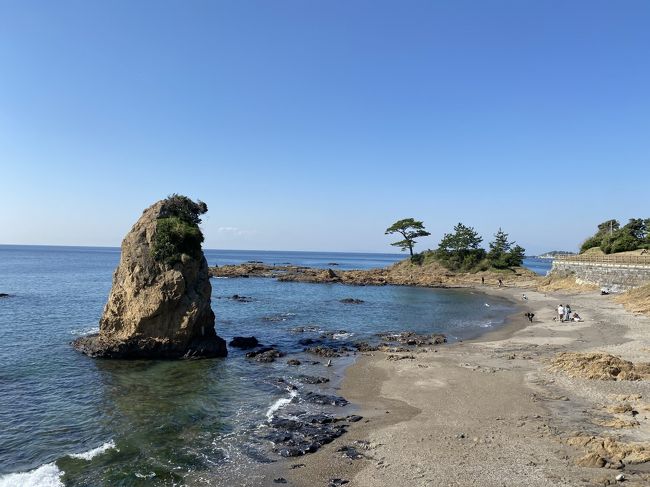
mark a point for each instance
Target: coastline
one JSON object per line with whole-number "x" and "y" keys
{"x": 487, "y": 411}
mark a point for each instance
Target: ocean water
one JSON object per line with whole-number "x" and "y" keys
{"x": 68, "y": 420}
{"x": 539, "y": 266}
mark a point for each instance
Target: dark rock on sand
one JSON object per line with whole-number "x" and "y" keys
{"x": 337, "y": 482}
{"x": 323, "y": 351}
{"x": 352, "y": 301}
{"x": 158, "y": 307}
{"x": 308, "y": 341}
{"x": 323, "y": 399}
{"x": 413, "y": 339}
{"x": 296, "y": 437}
{"x": 265, "y": 354}
{"x": 365, "y": 347}
{"x": 293, "y": 361}
{"x": 244, "y": 342}
{"x": 353, "y": 418}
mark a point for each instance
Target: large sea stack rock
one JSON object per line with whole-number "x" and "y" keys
{"x": 159, "y": 305}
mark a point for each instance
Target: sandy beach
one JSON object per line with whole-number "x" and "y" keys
{"x": 491, "y": 412}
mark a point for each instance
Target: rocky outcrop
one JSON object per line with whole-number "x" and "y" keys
{"x": 403, "y": 273}
{"x": 159, "y": 305}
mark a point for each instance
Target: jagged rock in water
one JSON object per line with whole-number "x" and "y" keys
{"x": 159, "y": 305}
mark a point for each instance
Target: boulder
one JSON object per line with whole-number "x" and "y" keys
{"x": 244, "y": 342}
{"x": 159, "y": 304}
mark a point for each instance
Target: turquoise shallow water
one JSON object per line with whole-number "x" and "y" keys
{"x": 69, "y": 420}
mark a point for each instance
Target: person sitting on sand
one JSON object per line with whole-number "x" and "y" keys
{"x": 560, "y": 313}
{"x": 576, "y": 317}
{"x": 530, "y": 316}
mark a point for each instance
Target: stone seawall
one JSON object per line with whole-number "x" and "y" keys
{"x": 615, "y": 277}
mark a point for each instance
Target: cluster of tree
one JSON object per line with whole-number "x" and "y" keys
{"x": 177, "y": 229}
{"x": 612, "y": 238}
{"x": 460, "y": 250}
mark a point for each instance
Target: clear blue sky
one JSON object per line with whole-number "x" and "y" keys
{"x": 313, "y": 125}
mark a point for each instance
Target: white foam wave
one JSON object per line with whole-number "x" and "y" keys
{"x": 90, "y": 454}
{"x": 85, "y": 331}
{"x": 219, "y": 277}
{"x": 47, "y": 475}
{"x": 279, "y": 404}
{"x": 340, "y": 336}
{"x": 149, "y": 475}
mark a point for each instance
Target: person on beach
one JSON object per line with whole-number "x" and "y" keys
{"x": 576, "y": 317}
{"x": 482, "y": 280}
{"x": 560, "y": 313}
{"x": 567, "y": 312}
{"x": 500, "y": 283}
{"x": 530, "y": 316}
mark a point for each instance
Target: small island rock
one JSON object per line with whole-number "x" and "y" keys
{"x": 159, "y": 304}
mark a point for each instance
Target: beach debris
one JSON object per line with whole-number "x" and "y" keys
{"x": 599, "y": 365}
{"x": 620, "y": 477}
{"x": 280, "y": 480}
{"x": 337, "y": 482}
{"x": 265, "y": 354}
{"x": 350, "y": 452}
{"x": 329, "y": 363}
{"x": 352, "y": 301}
{"x": 400, "y": 357}
{"x": 244, "y": 342}
{"x": 297, "y": 465}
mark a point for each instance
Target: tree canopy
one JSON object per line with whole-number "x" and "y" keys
{"x": 612, "y": 238}
{"x": 503, "y": 253}
{"x": 177, "y": 229}
{"x": 410, "y": 229}
{"x": 461, "y": 250}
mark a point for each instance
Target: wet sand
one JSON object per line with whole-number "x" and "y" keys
{"x": 488, "y": 412}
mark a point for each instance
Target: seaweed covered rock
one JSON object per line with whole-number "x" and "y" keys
{"x": 159, "y": 305}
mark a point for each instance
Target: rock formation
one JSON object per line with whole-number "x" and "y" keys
{"x": 159, "y": 305}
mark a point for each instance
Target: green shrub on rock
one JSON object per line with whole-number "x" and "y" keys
{"x": 177, "y": 230}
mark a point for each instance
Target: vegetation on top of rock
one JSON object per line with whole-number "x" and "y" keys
{"x": 612, "y": 238}
{"x": 410, "y": 229}
{"x": 177, "y": 229}
{"x": 461, "y": 251}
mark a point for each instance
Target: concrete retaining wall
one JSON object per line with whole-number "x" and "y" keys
{"x": 615, "y": 277}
